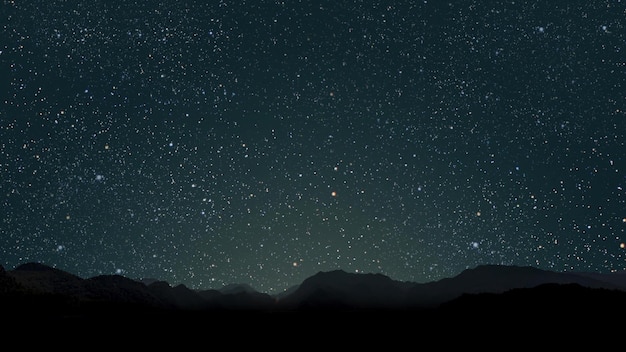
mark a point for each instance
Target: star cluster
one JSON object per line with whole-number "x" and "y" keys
{"x": 260, "y": 142}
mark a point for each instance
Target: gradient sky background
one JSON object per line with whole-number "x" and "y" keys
{"x": 259, "y": 142}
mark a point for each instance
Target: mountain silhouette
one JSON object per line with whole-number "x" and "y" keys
{"x": 497, "y": 279}
{"x": 177, "y": 297}
{"x": 237, "y": 288}
{"x": 43, "y": 279}
{"x": 34, "y": 290}
{"x": 339, "y": 290}
{"x": 569, "y": 300}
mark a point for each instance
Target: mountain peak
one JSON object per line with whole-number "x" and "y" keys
{"x": 502, "y": 267}
{"x": 338, "y": 289}
{"x": 342, "y": 274}
{"x": 34, "y": 266}
{"x": 237, "y": 288}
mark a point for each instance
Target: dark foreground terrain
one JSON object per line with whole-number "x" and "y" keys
{"x": 485, "y": 302}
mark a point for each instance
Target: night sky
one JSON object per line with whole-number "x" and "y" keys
{"x": 260, "y": 142}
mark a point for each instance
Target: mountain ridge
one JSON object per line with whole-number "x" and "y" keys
{"x": 37, "y": 289}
